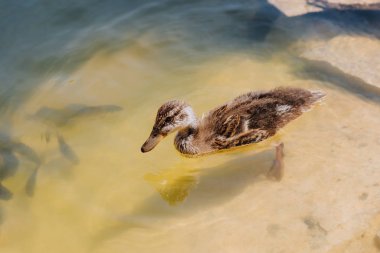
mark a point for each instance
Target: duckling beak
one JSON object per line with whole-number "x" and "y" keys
{"x": 151, "y": 142}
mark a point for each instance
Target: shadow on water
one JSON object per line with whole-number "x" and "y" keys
{"x": 347, "y": 19}
{"x": 325, "y": 72}
{"x": 209, "y": 187}
{"x": 273, "y": 32}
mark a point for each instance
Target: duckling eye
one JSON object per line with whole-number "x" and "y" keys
{"x": 167, "y": 120}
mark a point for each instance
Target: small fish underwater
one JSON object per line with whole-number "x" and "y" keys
{"x": 57, "y": 118}
{"x": 12, "y": 150}
{"x": 9, "y": 163}
{"x": 250, "y": 118}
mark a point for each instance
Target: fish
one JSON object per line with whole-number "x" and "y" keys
{"x": 66, "y": 150}
{"x": 61, "y": 117}
{"x": 30, "y": 185}
{"x": 9, "y": 163}
{"x": 5, "y": 194}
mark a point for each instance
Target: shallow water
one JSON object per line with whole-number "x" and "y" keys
{"x": 96, "y": 192}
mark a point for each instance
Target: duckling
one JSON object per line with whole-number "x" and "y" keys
{"x": 247, "y": 119}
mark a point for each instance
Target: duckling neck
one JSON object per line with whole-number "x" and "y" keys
{"x": 184, "y": 141}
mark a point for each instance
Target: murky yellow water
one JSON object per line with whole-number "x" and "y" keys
{"x": 96, "y": 192}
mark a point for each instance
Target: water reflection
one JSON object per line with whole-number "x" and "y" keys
{"x": 174, "y": 184}
{"x": 208, "y": 186}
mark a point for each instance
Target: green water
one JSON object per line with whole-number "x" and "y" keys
{"x": 94, "y": 190}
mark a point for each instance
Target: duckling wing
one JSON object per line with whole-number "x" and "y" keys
{"x": 236, "y": 128}
{"x": 236, "y": 119}
{"x": 244, "y": 138}
{"x": 255, "y": 116}
{"x": 231, "y": 126}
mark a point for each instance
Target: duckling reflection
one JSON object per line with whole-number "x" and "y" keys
{"x": 9, "y": 164}
{"x": 174, "y": 184}
{"x": 212, "y": 186}
{"x": 57, "y": 118}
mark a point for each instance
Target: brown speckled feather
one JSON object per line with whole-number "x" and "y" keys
{"x": 255, "y": 116}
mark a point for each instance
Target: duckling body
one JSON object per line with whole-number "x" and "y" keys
{"x": 247, "y": 119}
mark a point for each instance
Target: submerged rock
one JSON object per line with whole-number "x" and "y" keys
{"x": 356, "y": 56}
{"x": 346, "y": 4}
{"x": 339, "y": 45}
{"x": 296, "y": 7}
{"x": 293, "y": 7}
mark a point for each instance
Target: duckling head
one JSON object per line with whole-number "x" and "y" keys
{"x": 171, "y": 116}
